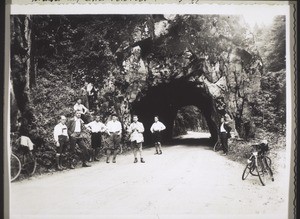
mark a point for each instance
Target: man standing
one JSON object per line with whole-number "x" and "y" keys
{"x": 224, "y": 135}
{"x": 75, "y": 129}
{"x": 114, "y": 130}
{"x": 84, "y": 94}
{"x": 62, "y": 139}
{"x": 136, "y": 130}
{"x": 96, "y": 128}
{"x": 79, "y": 107}
{"x": 156, "y": 129}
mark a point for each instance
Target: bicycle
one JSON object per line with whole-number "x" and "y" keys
{"x": 22, "y": 161}
{"x": 217, "y": 146}
{"x": 259, "y": 165}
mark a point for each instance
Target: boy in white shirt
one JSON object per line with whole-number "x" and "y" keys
{"x": 61, "y": 138}
{"x": 79, "y": 107}
{"x": 96, "y": 129}
{"x": 114, "y": 130}
{"x": 156, "y": 129}
{"x": 136, "y": 130}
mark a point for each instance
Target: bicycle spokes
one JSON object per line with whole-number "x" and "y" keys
{"x": 259, "y": 166}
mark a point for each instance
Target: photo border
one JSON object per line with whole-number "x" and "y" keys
{"x": 293, "y": 86}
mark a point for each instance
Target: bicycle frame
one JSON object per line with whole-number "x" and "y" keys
{"x": 258, "y": 162}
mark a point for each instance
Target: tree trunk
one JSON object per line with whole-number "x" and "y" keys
{"x": 20, "y": 70}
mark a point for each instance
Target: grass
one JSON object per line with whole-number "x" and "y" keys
{"x": 240, "y": 150}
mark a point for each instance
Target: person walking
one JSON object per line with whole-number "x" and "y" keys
{"x": 156, "y": 129}
{"x": 61, "y": 138}
{"x": 75, "y": 131}
{"x": 224, "y": 135}
{"x": 96, "y": 129}
{"x": 136, "y": 130}
{"x": 114, "y": 130}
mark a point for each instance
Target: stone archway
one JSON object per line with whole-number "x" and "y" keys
{"x": 166, "y": 99}
{"x": 168, "y": 69}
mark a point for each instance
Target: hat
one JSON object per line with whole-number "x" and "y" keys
{"x": 264, "y": 141}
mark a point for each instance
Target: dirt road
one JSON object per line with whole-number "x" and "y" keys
{"x": 184, "y": 182}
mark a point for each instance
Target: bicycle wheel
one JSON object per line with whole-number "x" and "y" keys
{"x": 15, "y": 167}
{"x": 216, "y": 146}
{"x": 246, "y": 171}
{"x": 268, "y": 162}
{"x": 261, "y": 171}
{"x": 29, "y": 164}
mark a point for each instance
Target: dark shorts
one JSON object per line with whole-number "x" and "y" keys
{"x": 112, "y": 142}
{"x": 156, "y": 137}
{"x": 134, "y": 144}
{"x": 63, "y": 143}
{"x": 96, "y": 140}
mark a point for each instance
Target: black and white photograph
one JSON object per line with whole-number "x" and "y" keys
{"x": 181, "y": 112}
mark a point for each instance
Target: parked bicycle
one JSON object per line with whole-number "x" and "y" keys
{"x": 259, "y": 164}
{"x": 22, "y": 160}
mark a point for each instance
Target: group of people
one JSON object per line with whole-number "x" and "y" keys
{"x": 72, "y": 133}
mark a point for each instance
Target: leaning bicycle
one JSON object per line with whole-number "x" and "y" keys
{"x": 259, "y": 164}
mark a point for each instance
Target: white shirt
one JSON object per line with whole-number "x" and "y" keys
{"x": 96, "y": 126}
{"x": 136, "y": 129}
{"x": 78, "y": 124}
{"x": 114, "y": 126}
{"x": 60, "y": 129}
{"x": 89, "y": 89}
{"x": 222, "y": 129}
{"x": 81, "y": 108}
{"x": 25, "y": 141}
{"x": 157, "y": 126}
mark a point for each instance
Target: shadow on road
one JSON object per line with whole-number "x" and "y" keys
{"x": 190, "y": 142}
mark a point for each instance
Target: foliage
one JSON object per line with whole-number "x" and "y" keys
{"x": 271, "y": 44}
{"x": 189, "y": 118}
{"x": 269, "y": 107}
{"x": 69, "y": 50}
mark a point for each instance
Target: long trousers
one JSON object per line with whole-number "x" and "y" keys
{"x": 82, "y": 146}
{"x": 224, "y": 141}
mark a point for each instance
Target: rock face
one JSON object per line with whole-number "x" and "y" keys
{"x": 153, "y": 65}
{"x": 167, "y": 68}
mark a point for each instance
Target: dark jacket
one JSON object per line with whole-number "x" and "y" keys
{"x": 228, "y": 129}
{"x": 71, "y": 126}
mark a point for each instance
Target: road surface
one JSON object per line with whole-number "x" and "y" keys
{"x": 185, "y": 182}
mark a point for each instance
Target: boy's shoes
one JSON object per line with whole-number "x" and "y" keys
{"x": 135, "y": 160}
{"x": 86, "y": 165}
{"x": 142, "y": 160}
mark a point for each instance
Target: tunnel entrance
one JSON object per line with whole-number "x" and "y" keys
{"x": 166, "y": 99}
{"x": 189, "y": 119}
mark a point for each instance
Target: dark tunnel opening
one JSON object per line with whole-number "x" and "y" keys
{"x": 166, "y": 99}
